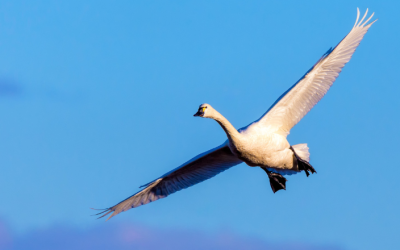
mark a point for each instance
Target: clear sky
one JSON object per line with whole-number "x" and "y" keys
{"x": 97, "y": 98}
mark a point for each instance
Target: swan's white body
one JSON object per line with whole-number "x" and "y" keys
{"x": 262, "y": 143}
{"x": 259, "y": 145}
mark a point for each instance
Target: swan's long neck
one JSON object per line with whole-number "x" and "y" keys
{"x": 231, "y": 132}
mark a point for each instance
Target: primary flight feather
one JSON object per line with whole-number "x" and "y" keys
{"x": 263, "y": 143}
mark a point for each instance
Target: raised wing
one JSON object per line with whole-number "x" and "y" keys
{"x": 296, "y": 102}
{"x": 198, "y": 169}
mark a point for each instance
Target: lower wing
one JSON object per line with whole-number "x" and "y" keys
{"x": 198, "y": 169}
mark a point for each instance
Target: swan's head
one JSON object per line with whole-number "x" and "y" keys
{"x": 205, "y": 110}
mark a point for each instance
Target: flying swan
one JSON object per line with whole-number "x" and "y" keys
{"x": 263, "y": 143}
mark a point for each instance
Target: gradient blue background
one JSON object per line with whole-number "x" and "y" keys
{"x": 97, "y": 98}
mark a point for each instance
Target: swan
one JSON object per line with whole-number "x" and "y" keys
{"x": 262, "y": 143}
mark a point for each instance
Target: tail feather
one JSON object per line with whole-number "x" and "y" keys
{"x": 302, "y": 151}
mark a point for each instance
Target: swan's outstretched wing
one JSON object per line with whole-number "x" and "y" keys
{"x": 296, "y": 102}
{"x": 198, "y": 169}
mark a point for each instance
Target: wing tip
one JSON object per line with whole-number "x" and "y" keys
{"x": 358, "y": 16}
{"x": 361, "y": 23}
{"x": 104, "y": 212}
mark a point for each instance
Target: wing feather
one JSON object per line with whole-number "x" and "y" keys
{"x": 198, "y": 169}
{"x": 295, "y": 103}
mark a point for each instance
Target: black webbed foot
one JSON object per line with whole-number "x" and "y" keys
{"x": 303, "y": 165}
{"x": 277, "y": 181}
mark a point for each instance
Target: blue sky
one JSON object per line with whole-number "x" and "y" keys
{"x": 97, "y": 99}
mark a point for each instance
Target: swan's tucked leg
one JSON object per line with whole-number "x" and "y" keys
{"x": 277, "y": 181}
{"x": 303, "y": 164}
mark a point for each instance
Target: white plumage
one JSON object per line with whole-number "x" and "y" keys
{"x": 308, "y": 91}
{"x": 263, "y": 143}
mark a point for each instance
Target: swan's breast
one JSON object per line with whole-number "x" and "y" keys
{"x": 264, "y": 150}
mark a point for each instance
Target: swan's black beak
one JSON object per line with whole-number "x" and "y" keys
{"x": 199, "y": 113}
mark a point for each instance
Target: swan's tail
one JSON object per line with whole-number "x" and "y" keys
{"x": 302, "y": 151}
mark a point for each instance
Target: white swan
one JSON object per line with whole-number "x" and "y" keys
{"x": 263, "y": 143}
